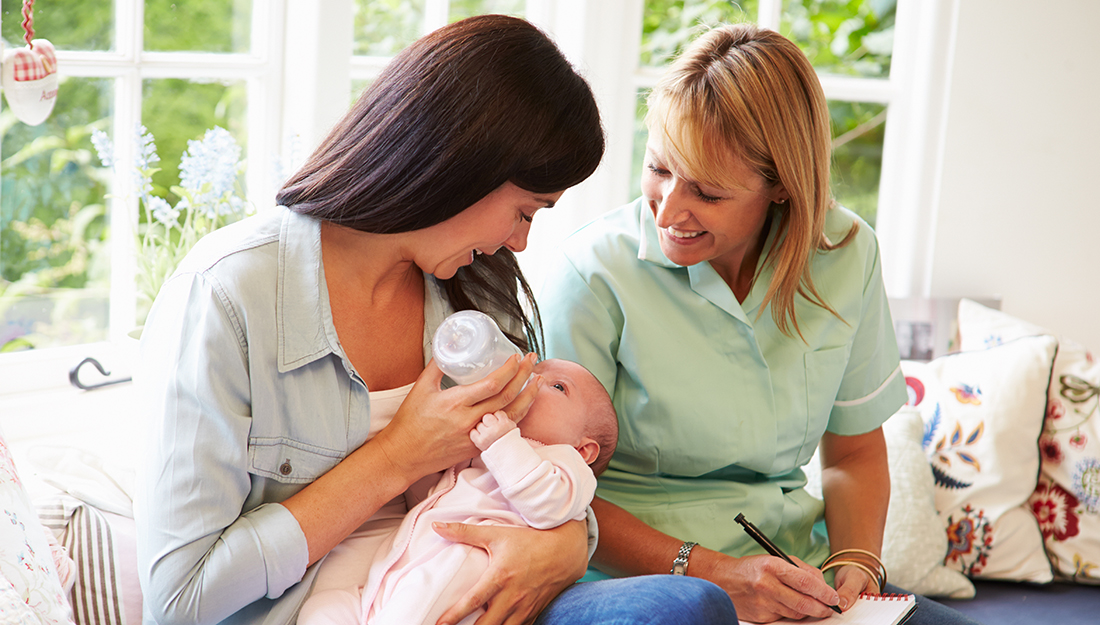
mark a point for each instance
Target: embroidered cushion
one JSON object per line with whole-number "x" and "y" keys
{"x": 913, "y": 541}
{"x": 27, "y": 570}
{"x": 983, "y": 413}
{"x": 1067, "y": 499}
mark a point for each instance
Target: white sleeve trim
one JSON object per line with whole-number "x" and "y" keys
{"x": 874, "y": 394}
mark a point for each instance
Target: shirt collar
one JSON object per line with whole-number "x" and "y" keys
{"x": 704, "y": 279}
{"x": 302, "y": 314}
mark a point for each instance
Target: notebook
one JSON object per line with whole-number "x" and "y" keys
{"x": 868, "y": 610}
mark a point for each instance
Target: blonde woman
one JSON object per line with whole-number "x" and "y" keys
{"x": 737, "y": 317}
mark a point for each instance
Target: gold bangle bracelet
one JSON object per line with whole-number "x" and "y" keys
{"x": 839, "y": 563}
{"x": 878, "y": 562}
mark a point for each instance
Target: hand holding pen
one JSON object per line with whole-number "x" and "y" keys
{"x": 768, "y": 545}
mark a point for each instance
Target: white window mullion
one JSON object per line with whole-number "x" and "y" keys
{"x": 770, "y": 13}
{"x": 852, "y": 89}
{"x": 316, "y": 71}
{"x": 436, "y": 14}
{"x": 265, "y": 105}
{"x": 129, "y": 16}
{"x": 124, "y": 205}
{"x": 913, "y": 146}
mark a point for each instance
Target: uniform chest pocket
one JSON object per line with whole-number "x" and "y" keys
{"x": 824, "y": 372}
{"x": 290, "y": 461}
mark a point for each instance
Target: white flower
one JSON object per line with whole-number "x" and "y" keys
{"x": 145, "y": 154}
{"x": 163, "y": 212}
{"x": 213, "y": 161}
{"x": 104, "y": 147}
{"x": 208, "y": 200}
{"x": 145, "y": 158}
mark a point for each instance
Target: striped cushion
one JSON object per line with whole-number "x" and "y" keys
{"x": 105, "y": 591}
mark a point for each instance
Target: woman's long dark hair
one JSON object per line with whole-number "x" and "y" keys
{"x": 475, "y": 104}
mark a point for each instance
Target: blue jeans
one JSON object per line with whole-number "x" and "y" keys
{"x": 675, "y": 600}
{"x": 645, "y": 600}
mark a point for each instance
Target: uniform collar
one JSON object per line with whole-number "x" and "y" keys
{"x": 705, "y": 281}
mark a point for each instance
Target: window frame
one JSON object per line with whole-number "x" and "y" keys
{"x": 128, "y": 64}
{"x": 312, "y": 41}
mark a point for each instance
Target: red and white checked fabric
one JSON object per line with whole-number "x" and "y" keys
{"x": 34, "y": 64}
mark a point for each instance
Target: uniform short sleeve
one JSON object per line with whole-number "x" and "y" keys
{"x": 579, "y": 321}
{"x": 873, "y": 387}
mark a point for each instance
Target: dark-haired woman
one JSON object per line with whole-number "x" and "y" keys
{"x": 286, "y": 364}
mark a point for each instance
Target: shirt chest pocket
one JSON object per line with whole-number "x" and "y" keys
{"x": 289, "y": 461}
{"x": 824, "y": 372}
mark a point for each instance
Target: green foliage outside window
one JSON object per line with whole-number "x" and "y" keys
{"x": 385, "y": 27}
{"x": 849, "y": 37}
{"x": 461, "y": 9}
{"x": 54, "y": 222}
{"x": 67, "y": 24}
{"x": 54, "y": 226}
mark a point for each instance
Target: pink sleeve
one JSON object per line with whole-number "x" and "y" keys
{"x": 547, "y": 484}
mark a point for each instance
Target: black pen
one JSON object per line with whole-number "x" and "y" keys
{"x": 768, "y": 545}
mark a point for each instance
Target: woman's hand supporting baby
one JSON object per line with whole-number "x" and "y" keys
{"x": 511, "y": 590}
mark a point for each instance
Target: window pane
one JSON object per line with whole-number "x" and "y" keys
{"x": 858, "y": 131}
{"x": 849, "y": 37}
{"x": 178, "y": 113}
{"x": 67, "y": 24}
{"x": 385, "y": 27}
{"x": 669, "y": 25}
{"x": 54, "y": 256}
{"x": 198, "y": 26}
{"x": 461, "y": 9}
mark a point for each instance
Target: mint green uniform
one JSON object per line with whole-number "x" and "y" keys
{"x": 719, "y": 410}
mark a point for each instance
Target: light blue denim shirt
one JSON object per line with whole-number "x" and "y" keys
{"x": 250, "y": 397}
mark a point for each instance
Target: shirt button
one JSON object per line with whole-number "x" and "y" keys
{"x": 285, "y": 469}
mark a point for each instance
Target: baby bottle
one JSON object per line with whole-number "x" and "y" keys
{"x": 469, "y": 346}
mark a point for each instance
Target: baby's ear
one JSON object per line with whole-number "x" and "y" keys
{"x": 588, "y": 449}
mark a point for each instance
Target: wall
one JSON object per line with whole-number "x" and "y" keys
{"x": 1017, "y": 213}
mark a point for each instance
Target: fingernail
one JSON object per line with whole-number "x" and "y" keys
{"x": 843, "y": 603}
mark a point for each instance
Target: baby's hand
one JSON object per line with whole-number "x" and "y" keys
{"x": 492, "y": 427}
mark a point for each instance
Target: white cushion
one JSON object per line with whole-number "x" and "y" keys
{"x": 983, "y": 412}
{"x": 1067, "y": 499}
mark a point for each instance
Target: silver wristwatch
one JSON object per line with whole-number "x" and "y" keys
{"x": 680, "y": 564}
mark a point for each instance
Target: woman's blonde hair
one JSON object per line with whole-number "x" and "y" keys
{"x": 748, "y": 93}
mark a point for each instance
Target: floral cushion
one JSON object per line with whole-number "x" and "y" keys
{"x": 1067, "y": 499}
{"x": 27, "y": 570}
{"x": 914, "y": 542}
{"x": 982, "y": 413}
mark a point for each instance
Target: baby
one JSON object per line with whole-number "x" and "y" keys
{"x": 538, "y": 474}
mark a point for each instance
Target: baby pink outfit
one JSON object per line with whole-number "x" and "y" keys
{"x": 418, "y": 575}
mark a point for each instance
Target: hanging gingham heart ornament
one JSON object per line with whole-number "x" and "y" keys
{"x": 29, "y": 79}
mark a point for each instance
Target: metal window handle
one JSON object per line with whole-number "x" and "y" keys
{"x": 74, "y": 376}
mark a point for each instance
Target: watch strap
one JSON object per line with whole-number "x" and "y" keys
{"x": 680, "y": 564}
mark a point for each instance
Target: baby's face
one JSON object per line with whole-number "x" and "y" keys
{"x": 558, "y": 414}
